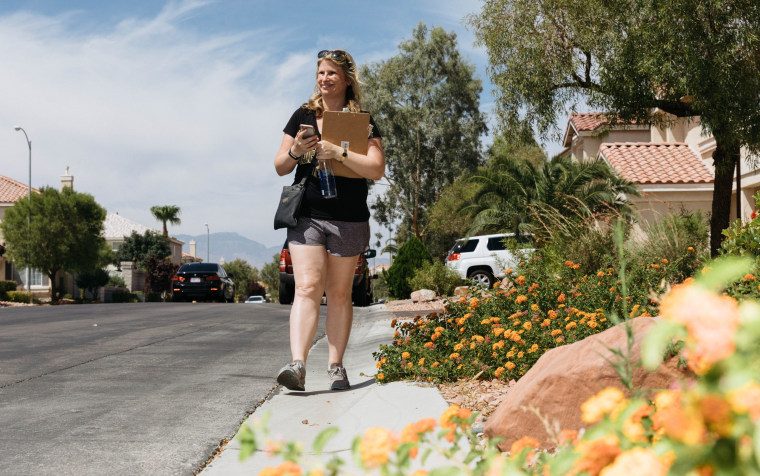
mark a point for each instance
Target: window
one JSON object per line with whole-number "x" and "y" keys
{"x": 496, "y": 243}
{"x": 116, "y": 245}
{"x": 35, "y": 278}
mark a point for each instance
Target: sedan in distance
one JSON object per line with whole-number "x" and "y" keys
{"x": 203, "y": 281}
{"x": 255, "y": 300}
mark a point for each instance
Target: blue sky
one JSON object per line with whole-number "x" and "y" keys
{"x": 183, "y": 102}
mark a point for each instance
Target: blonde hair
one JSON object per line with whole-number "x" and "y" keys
{"x": 353, "y": 91}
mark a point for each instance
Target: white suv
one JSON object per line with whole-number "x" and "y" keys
{"x": 481, "y": 258}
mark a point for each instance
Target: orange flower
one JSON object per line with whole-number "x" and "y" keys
{"x": 405, "y": 355}
{"x": 636, "y": 461}
{"x": 596, "y": 454}
{"x": 533, "y": 287}
{"x": 454, "y": 417}
{"x": 546, "y": 323}
{"x": 520, "y": 280}
{"x": 711, "y": 322}
{"x": 676, "y": 421}
{"x": 716, "y": 411}
{"x": 571, "y": 325}
{"x": 552, "y": 314}
{"x": 509, "y": 365}
{"x": 525, "y": 442}
{"x": 600, "y": 274}
{"x": 561, "y": 298}
{"x": 474, "y": 303}
{"x": 380, "y": 376}
{"x": 411, "y": 432}
{"x": 567, "y": 437}
{"x": 376, "y": 446}
{"x": 508, "y": 271}
{"x": 286, "y": 468}
{"x": 609, "y": 401}
{"x": 746, "y": 399}
{"x": 393, "y": 322}
{"x": 556, "y": 332}
{"x": 497, "y": 373}
{"x": 749, "y": 277}
{"x": 521, "y": 299}
{"x": 690, "y": 248}
{"x": 527, "y": 325}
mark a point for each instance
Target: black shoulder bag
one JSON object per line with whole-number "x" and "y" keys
{"x": 290, "y": 204}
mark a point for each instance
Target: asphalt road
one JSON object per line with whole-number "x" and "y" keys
{"x": 132, "y": 388}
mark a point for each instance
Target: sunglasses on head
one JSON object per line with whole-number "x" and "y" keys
{"x": 338, "y": 55}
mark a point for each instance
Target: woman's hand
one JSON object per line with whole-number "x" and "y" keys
{"x": 328, "y": 151}
{"x": 302, "y": 144}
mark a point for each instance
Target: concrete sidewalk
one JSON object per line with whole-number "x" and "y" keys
{"x": 301, "y": 416}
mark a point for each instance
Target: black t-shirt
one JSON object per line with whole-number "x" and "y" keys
{"x": 351, "y": 202}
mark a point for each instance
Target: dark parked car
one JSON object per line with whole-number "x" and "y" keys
{"x": 361, "y": 293}
{"x": 204, "y": 281}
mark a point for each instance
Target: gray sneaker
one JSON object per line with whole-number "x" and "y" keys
{"x": 338, "y": 377}
{"x": 293, "y": 376}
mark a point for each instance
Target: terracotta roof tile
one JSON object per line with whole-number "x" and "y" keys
{"x": 587, "y": 121}
{"x": 656, "y": 163}
{"x": 11, "y": 190}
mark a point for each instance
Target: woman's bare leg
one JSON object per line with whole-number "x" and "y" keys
{"x": 340, "y": 313}
{"x": 310, "y": 264}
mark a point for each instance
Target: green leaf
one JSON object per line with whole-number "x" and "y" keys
{"x": 656, "y": 342}
{"x": 323, "y": 437}
{"x": 724, "y": 271}
{"x": 446, "y": 471}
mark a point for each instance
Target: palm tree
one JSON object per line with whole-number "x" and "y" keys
{"x": 166, "y": 213}
{"x": 515, "y": 195}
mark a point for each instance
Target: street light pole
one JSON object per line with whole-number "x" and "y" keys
{"x": 29, "y": 218}
{"x": 208, "y": 246}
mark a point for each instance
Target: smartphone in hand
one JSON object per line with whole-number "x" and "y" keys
{"x": 309, "y": 130}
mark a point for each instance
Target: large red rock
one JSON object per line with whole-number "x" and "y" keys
{"x": 567, "y": 376}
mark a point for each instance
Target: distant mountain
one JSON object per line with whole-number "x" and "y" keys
{"x": 230, "y": 246}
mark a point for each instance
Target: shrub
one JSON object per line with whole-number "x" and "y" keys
{"x": 411, "y": 256}
{"x": 123, "y": 296}
{"x": 6, "y": 286}
{"x": 116, "y": 281}
{"x": 18, "y": 296}
{"x": 436, "y": 276}
{"x": 681, "y": 239}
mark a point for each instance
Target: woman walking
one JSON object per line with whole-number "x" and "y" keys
{"x": 331, "y": 232}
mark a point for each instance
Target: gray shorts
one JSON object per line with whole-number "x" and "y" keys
{"x": 340, "y": 238}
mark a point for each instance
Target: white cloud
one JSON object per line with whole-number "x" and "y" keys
{"x": 149, "y": 114}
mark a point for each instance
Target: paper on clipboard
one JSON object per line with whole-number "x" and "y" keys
{"x": 349, "y": 130}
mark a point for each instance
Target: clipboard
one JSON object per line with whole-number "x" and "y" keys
{"x": 349, "y": 130}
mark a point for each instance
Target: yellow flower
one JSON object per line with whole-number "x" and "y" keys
{"x": 520, "y": 354}
{"x": 521, "y": 299}
{"x": 746, "y": 399}
{"x": 534, "y": 307}
{"x": 376, "y": 446}
{"x": 607, "y": 402}
{"x": 498, "y": 331}
{"x": 636, "y": 461}
{"x": 380, "y": 376}
{"x": 556, "y": 332}
{"x": 454, "y": 417}
{"x": 435, "y": 364}
{"x": 405, "y": 355}
{"x": 509, "y": 365}
{"x": 571, "y": 325}
{"x": 453, "y": 356}
{"x": 527, "y": 326}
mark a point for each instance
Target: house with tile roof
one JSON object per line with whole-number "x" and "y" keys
{"x": 671, "y": 164}
{"x": 10, "y": 191}
{"x": 116, "y": 228}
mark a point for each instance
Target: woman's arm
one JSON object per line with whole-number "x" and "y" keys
{"x": 371, "y": 166}
{"x": 283, "y": 162}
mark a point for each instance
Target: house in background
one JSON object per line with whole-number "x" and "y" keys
{"x": 116, "y": 228}
{"x": 671, "y": 164}
{"x": 11, "y": 191}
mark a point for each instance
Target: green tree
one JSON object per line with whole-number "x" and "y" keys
{"x": 243, "y": 274}
{"x": 90, "y": 281}
{"x": 138, "y": 248}
{"x": 65, "y": 232}
{"x": 426, "y": 100}
{"x": 166, "y": 213}
{"x": 411, "y": 257}
{"x": 633, "y": 59}
{"x": 270, "y": 274}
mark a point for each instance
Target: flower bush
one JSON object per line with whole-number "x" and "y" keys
{"x": 500, "y": 333}
{"x": 709, "y": 425}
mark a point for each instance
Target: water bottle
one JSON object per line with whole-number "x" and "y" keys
{"x": 326, "y": 179}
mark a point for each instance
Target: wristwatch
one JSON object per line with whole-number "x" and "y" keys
{"x": 343, "y": 155}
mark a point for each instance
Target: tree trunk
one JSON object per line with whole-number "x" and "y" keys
{"x": 53, "y": 288}
{"x": 725, "y": 157}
